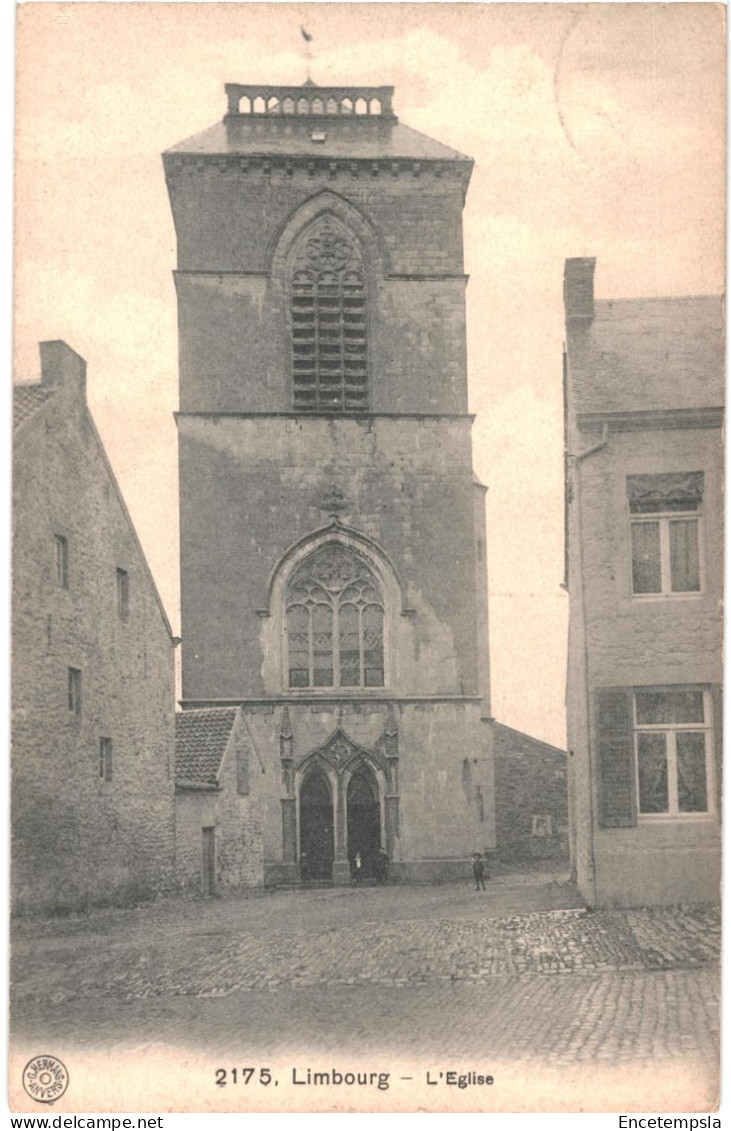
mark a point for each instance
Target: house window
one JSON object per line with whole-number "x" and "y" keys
{"x": 673, "y": 745}
{"x": 122, "y": 592}
{"x": 328, "y": 307}
{"x": 105, "y": 759}
{"x": 665, "y": 530}
{"x": 61, "y": 559}
{"x": 74, "y": 691}
{"x": 334, "y": 622}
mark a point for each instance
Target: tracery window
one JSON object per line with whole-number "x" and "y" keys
{"x": 334, "y": 622}
{"x": 328, "y": 304}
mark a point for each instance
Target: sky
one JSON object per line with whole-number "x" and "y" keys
{"x": 595, "y": 129}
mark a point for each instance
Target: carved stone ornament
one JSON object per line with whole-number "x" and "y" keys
{"x": 333, "y": 500}
{"x": 340, "y": 752}
{"x": 333, "y": 569}
{"x": 327, "y": 252}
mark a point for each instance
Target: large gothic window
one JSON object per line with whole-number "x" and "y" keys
{"x": 328, "y": 296}
{"x": 334, "y": 616}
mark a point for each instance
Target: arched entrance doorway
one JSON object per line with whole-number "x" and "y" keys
{"x": 317, "y": 847}
{"x": 364, "y": 822}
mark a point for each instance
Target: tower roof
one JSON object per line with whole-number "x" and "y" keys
{"x": 352, "y": 122}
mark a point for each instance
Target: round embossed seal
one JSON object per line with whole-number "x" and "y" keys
{"x": 45, "y": 1079}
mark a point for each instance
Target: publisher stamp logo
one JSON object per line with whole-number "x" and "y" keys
{"x": 45, "y": 1079}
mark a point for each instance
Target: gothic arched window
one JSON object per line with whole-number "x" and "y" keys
{"x": 328, "y": 303}
{"x": 334, "y": 618}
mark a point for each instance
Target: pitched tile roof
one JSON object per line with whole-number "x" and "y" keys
{"x": 648, "y": 354}
{"x": 201, "y": 737}
{"x": 26, "y": 400}
{"x": 349, "y": 138}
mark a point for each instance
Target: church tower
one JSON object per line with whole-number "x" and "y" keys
{"x": 333, "y": 556}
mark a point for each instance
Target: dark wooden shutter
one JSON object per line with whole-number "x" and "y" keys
{"x": 717, "y": 708}
{"x": 615, "y": 747}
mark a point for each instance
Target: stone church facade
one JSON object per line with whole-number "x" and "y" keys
{"x": 333, "y": 551}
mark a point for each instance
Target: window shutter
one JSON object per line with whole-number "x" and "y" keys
{"x": 617, "y": 801}
{"x": 717, "y": 708}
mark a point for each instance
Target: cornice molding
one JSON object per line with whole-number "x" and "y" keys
{"x": 339, "y": 700}
{"x": 650, "y": 420}
{"x": 329, "y": 416}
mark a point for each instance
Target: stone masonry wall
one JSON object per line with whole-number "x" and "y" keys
{"x": 227, "y": 220}
{"x": 77, "y": 839}
{"x": 443, "y": 815}
{"x": 233, "y": 305}
{"x": 250, "y": 489}
{"x": 530, "y": 779}
{"x": 239, "y": 817}
{"x": 194, "y": 811}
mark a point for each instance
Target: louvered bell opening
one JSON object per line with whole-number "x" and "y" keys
{"x": 354, "y": 345}
{"x": 329, "y": 343}
{"x": 304, "y": 346}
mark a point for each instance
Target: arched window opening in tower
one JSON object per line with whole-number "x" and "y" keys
{"x": 334, "y": 618}
{"x": 329, "y": 343}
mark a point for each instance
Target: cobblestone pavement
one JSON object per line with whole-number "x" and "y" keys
{"x": 438, "y": 970}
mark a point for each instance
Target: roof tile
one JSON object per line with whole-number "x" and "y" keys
{"x": 649, "y": 354}
{"x": 26, "y": 400}
{"x": 201, "y": 737}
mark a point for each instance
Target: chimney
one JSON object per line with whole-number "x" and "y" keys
{"x": 578, "y": 289}
{"x": 60, "y": 365}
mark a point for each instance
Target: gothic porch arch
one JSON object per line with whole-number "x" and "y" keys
{"x": 341, "y": 762}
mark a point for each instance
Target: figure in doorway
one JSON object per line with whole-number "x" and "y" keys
{"x": 478, "y": 871}
{"x": 358, "y": 868}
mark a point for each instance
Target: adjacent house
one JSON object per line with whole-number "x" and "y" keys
{"x": 92, "y": 674}
{"x": 218, "y": 801}
{"x": 644, "y": 411}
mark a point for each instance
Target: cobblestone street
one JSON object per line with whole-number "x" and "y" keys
{"x": 442, "y": 974}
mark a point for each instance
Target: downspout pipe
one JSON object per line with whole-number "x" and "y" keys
{"x": 575, "y": 460}
{"x": 594, "y": 447}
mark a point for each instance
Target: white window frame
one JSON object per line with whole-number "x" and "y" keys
{"x": 664, "y": 518}
{"x": 671, "y": 730}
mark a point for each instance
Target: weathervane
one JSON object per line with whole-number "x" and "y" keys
{"x": 308, "y": 50}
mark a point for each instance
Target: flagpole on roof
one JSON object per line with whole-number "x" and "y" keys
{"x": 308, "y": 51}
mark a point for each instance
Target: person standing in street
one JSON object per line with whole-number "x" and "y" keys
{"x": 478, "y": 871}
